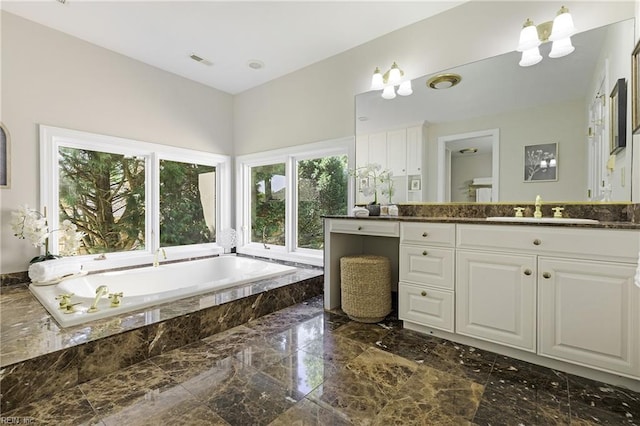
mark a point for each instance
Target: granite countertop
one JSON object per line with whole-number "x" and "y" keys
{"x": 484, "y": 221}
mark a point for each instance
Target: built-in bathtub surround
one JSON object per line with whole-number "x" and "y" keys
{"x": 604, "y": 212}
{"x": 39, "y": 358}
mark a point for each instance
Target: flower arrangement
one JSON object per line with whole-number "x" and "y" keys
{"x": 31, "y": 225}
{"x": 372, "y": 175}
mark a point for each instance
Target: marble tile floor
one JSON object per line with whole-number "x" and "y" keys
{"x": 305, "y": 366}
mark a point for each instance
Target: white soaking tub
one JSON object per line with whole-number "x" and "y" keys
{"x": 143, "y": 287}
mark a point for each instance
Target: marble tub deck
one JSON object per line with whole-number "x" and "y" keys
{"x": 38, "y": 358}
{"x": 305, "y": 366}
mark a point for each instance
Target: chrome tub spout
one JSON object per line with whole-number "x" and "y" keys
{"x": 100, "y": 291}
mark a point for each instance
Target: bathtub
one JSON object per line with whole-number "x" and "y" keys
{"x": 148, "y": 286}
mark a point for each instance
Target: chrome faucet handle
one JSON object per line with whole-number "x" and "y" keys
{"x": 557, "y": 212}
{"x": 519, "y": 211}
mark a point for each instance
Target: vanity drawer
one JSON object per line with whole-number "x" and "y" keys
{"x": 434, "y": 234}
{"x": 365, "y": 227}
{"x": 427, "y": 265}
{"x": 598, "y": 244}
{"x": 426, "y": 306}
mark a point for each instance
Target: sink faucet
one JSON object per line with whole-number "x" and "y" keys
{"x": 538, "y": 212}
{"x": 100, "y": 291}
{"x": 155, "y": 257}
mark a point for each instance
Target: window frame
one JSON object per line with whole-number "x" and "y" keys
{"x": 52, "y": 138}
{"x": 290, "y": 157}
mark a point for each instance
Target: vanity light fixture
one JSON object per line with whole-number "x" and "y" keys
{"x": 559, "y": 32}
{"x": 388, "y": 81}
{"x": 443, "y": 81}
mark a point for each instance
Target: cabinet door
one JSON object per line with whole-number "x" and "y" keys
{"x": 397, "y": 152}
{"x": 414, "y": 150}
{"x": 589, "y": 314}
{"x": 378, "y": 149}
{"x": 425, "y": 306}
{"x": 362, "y": 150}
{"x": 496, "y": 297}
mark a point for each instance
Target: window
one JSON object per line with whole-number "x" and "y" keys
{"x": 131, "y": 198}
{"x": 268, "y": 193}
{"x": 283, "y": 195}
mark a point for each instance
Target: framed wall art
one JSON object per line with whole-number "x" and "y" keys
{"x": 5, "y": 157}
{"x": 541, "y": 162}
{"x": 618, "y": 117}
{"x": 635, "y": 89}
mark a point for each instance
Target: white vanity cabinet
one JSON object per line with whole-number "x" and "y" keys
{"x": 589, "y": 313}
{"x": 426, "y": 271}
{"x": 564, "y": 293}
{"x": 496, "y": 297}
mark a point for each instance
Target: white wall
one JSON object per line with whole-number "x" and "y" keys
{"x": 51, "y": 78}
{"x": 317, "y": 102}
{"x": 464, "y": 168}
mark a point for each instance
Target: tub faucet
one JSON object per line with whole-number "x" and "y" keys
{"x": 538, "y": 212}
{"x": 100, "y": 291}
{"x": 155, "y": 258}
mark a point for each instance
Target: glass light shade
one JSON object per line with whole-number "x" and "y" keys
{"x": 562, "y": 25}
{"x": 376, "y": 80}
{"x": 561, "y": 48}
{"x": 394, "y": 74}
{"x": 552, "y": 162}
{"x": 388, "y": 93}
{"x": 528, "y": 38}
{"x": 530, "y": 57}
{"x": 543, "y": 164}
{"x": 405, "y": 88}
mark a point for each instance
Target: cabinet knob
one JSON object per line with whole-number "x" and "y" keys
{"x": 547, "y": 275}
{"x": 424, "y": 253}
{"x": 359, "y": 228}
{"x": 537, "y": 242}
{"x": 527, "y": 271}
{"x": 424, "y": 234}
{"x": 424, "y": 293}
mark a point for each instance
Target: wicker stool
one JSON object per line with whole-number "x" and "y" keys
{"x": 366, "y": 287}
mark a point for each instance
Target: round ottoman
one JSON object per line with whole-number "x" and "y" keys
{"x": 366, "y": 287}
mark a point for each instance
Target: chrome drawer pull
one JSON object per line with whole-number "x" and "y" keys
{"x": 527, "y": 271}
{"x": 537, "y": 242}
{"x": 424, "y": 253}
{"x": 424, "y": 234}
{"x": 424, "y": 293}
{"x": 547, "y": 275}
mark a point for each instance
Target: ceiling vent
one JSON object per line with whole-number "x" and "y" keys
{"x": 200, "y": 59}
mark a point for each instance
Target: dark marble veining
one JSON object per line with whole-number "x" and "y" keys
{"x": 310, "y": 368}
{"x": 39, "y": 358}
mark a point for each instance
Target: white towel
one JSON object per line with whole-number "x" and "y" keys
{"x": 360, "y": 212}
{"x": 50, "y": 270}
{"x": 636, "y": 280}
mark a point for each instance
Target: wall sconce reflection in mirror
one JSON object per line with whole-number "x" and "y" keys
{"x": 389, "y": 80}
{"x": 5, "y": 150}
{"x": 541, "y": 162}
{"x": 559, "y": 31}
{"x": 618, "y": 117}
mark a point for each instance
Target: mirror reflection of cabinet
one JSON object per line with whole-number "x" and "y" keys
{"x": 399, "y": 150}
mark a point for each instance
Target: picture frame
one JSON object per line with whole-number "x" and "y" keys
{"x": 415, "y": 185}
{"x": 618, "y": 117}
{"x": 635, "y": 89}
{"x": 5, "y": 157}
{"x": 541, "y": 162}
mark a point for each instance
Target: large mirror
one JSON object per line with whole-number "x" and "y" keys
{"x": 506, "y": 133}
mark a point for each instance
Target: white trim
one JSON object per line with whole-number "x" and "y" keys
{"x": 443, "y": 161}
{"x": 288, "y": 156}
{"x": 52, "y": 138}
